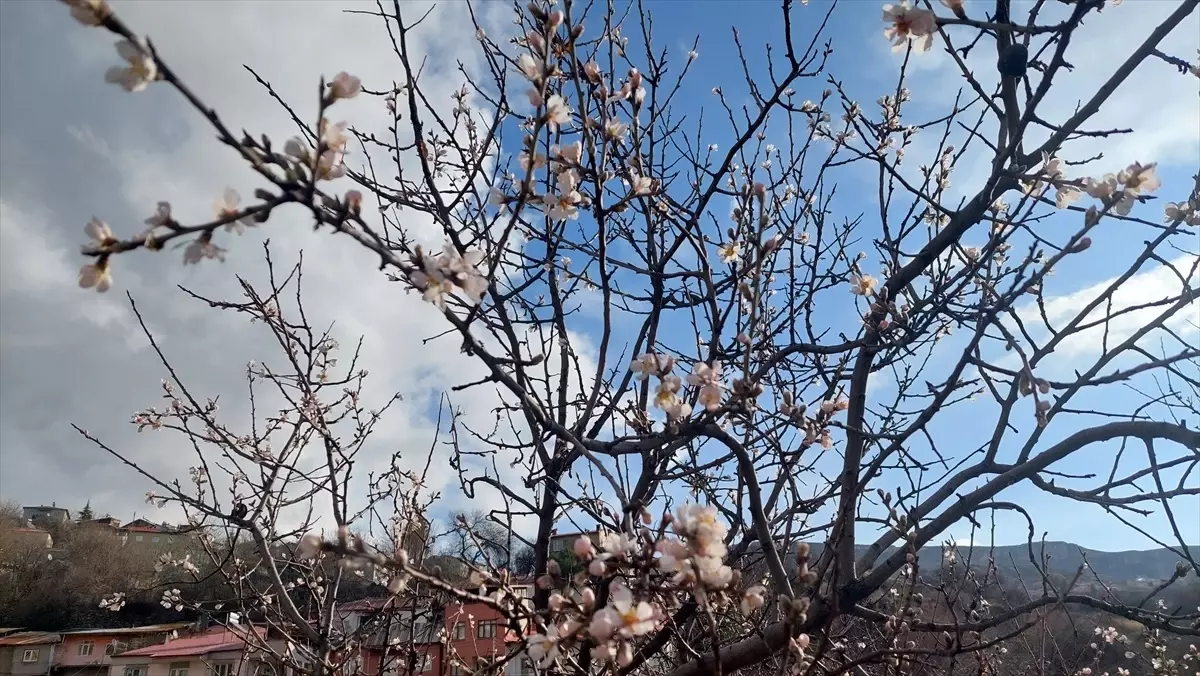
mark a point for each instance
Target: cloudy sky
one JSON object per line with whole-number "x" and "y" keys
{"x": 76, "y": 147}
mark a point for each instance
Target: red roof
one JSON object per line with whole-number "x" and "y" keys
{"x": 219, "y": 639}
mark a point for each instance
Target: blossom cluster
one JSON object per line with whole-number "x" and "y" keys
{"x": 437, "y": 275}
{"x": 706, "y": 378}
{"x": 645, "y": 575}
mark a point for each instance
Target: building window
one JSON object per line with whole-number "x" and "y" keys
{"x": 155, "y": 538}
{"x": 178, "y": 669}
{"x": 31, "y": 656}
{"x": 460, "y": 631}
{"x": 220, "y": 669}
{"x": 455, "y": 668}
{"x": 85, "y": 649}
{"x": 558, "y": 545}
{"x": 425, "y": 663}
{"x": 485, "y": 630}
{"x": 138, "y": 538}
{"x": 135, "y": 671}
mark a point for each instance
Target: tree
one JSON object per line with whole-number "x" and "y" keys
{"x": 745, "y": 383}
{"x": 85, "y": 514}
{"x": 11, "y": 514}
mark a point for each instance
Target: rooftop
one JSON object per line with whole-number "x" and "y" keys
{"x": 219, "y": 639}
{"x": 130, "y": 631}
{"x": 30, "y": 638}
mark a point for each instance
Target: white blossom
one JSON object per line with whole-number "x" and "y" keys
{"x": 227, "y": 207}
{"x": 140, "y": 71}
{"x": 344, "y": 86}
{"x": 909, "y": 24}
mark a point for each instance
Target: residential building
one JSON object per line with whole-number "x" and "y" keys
{"x": 564, "y": 542}
{"x": 105, "y": 521}
{"x": 31, "y": 537}
{"x": 478, "y": 633}
{"x": 52, "y": 515}
{"x": 401, "y": 636}
{"x": 89, "y": 652}
{"x": 143, "y": 533}
{"x": 28, "y": 653}
{"x": 221, "y": 651}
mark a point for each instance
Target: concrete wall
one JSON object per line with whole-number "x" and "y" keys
{"x": 18, "y": 667}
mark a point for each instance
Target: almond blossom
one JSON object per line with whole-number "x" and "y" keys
{"x": 623, "y": 617}
{"x": 863, "y": 285}
{"x": 616, "y": 545}
{"x": 729, "y": 252}
{"x": 615, "y": 130}
{"x": 564, "y": 205}
{"x": 113, "y": 602}
{"x": 583, "y": 547}
{"x": 141, "y": 71}
{"x": 667, "y": 394}
{"x": 227, "y": 207}
{"x": 1100, "y": 188}
{"x": 96, "y": 275}
{"x": 1175, "y": 212}
{"x": 161, "y": 215}
{"x": 543, "y": 648}
{"x": 530, "y": 67}
{"x": 344, "y": 86}
{"x": 558, "y": 113}
{"x": 99, "y": 232}
{"x": 1140, "y": 179}
{"x": 708, "y": 379}
{"x": 909, "y": 24}
{"x": 202, "y": 248}
{"x": 89, "y": 12}
{"x": 640, "y": 185}
{"x": 753, "y": 599}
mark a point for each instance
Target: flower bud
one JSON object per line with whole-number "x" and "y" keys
{"x": 1081, "y": 245}
{"x": 635, "y": 79}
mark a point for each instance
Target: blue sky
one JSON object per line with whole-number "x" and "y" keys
{"x": 75, "y": 146}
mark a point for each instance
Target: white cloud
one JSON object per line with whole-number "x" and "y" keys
{"x": 1156, "y": 283}
{"x": 153, "y": 148}
{"x": 1153, "y": 102}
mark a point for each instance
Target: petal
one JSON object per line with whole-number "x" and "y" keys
{"x": 129, "y": 51}
{"x": 117, "y": 75}
{"x": 232, "y": 198}
{"x": 87, "y": 276}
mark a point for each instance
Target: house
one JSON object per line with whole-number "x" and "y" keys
{"x": 221, "y": 651}
{"x": 477, "y": 633}
{"x": 89, "y": 652}
{"x": 27, "y": 653}
{"x": 146, "y": 533}
{"x": 400, "y": 636}
{"x": 565, "y": 542}
{"x": 104, "y": 521}
{"x": 52, "y": 515}
{"x": 31, "y": 537}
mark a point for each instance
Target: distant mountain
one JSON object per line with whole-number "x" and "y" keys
{"x": 1064, "y": 558}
